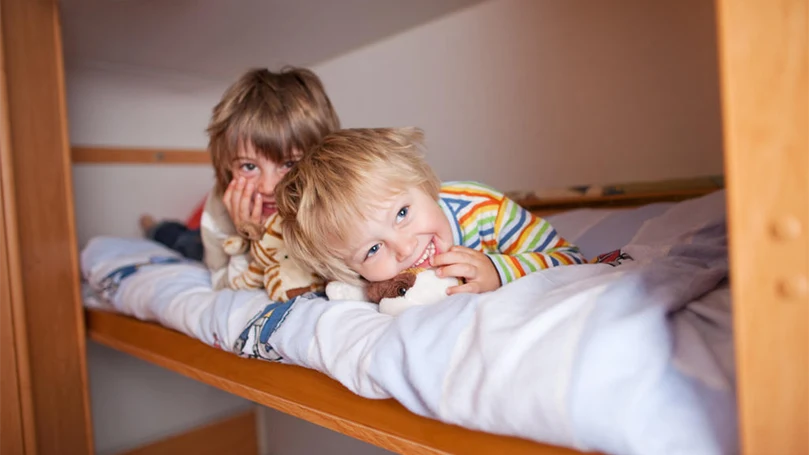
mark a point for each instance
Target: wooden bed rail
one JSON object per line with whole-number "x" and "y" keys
{"x": 616, "y": 196}
{"x": 550, "y": 206}
{"x": 300, "y": 392}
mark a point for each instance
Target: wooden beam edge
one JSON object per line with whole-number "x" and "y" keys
{"x": 234, "y": 434}
{"x": 115, "y": 155}
{"x": 13, "y": 257}
{"x": 618, "y": 200}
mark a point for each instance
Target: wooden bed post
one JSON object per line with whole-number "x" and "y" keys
{"x": 764, "y": 58}
{"x": 36, "y": 154}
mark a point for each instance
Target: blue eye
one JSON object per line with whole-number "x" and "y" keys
{"x": 372, "y": 251}
{"x": 402, "y": 213}
{"x": 248, "y": 166}
{"x": 289, "y": 164}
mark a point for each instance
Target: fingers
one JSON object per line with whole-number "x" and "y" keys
{"x": 470, "y": 287}
{"x": 465, "y": 270}
{"x": 459, "y": 262}
{"x": 243, "y": 207}
{"x": 473, "y": 266}
{"x": 255, "y": 217}
{"x": 244, "y": 202}
{"x": 232, "y": 199}
{"x": 455, "y": 255}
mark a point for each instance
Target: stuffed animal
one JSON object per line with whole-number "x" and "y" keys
{"x": 271, "y": 267}
{"x": 412, "y": 287}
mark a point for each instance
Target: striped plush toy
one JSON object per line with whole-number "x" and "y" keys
{"x": 271, "y": 267}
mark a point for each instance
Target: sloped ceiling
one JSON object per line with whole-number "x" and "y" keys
{"x": 215, "y": 39}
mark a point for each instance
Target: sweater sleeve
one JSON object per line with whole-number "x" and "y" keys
{"x": 215, "y": 227}
{"x": 527, "y": 243}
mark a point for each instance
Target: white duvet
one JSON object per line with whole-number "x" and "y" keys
{"x": 627, "y": 359}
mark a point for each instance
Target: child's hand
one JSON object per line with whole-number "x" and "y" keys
{"x": 473, "y": 266}
{"x": 237, "y": 199}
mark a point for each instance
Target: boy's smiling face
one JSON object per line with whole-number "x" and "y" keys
{"x": 399, "y": 232}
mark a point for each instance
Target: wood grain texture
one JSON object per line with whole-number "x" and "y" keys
{"x": 300, "y": 392}
{"x": 17, "y": 418}
{"x": 113, "y": 155}
{"x": 764, "y": 59}
{"x": 11, "y": 418}
{"x": 31, "y": 40}
{"x": 234, "y": 435}
{"x": 549, "y": 206}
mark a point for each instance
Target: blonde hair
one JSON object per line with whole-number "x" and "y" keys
{"x": 275, "y": 112}
{"x": 327, "y": 193}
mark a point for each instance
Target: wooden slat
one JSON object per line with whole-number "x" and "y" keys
{"x": 11, "y": 413}
{"x": 234, "y": 435}
{"x": 112, "y": 155}
{"x": 300, "y": 392}
{"x": 764, "y": 57}
{"x": 548, "y": 206}
{"x": 31, "y": 40}
{"x": 16, "y": 413}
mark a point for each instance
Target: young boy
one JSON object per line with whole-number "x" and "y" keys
{"x": 364, "y": 203}
{"x": 260, "y": 128}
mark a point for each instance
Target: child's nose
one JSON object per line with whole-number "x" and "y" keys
{"x": 267, "y": 182}
{"x": 404, "y": 248}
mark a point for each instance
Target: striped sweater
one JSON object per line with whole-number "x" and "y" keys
{"x": 516, "y": 241}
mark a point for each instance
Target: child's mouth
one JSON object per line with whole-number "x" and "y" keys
{"x": 428, "y": 253}
{"x": 268, "y": 208}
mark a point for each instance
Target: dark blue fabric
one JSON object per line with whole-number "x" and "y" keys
{"x": 178, "y": 237}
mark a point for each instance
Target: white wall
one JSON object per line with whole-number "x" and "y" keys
{"x": 520, "y": 94}
{"x": 524, "y": 94}
{"x": 282, "y": 434}
{"x": 145, "y": 110}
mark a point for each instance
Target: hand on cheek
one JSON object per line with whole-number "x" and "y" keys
{"x": 237, "y": 199}
{"x": 474, "y": 267}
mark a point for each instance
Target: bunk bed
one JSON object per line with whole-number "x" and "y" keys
{"x": 764, "y": 64}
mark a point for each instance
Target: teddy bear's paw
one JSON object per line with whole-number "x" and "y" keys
{"x": 251, "y": 231}
{"x": 234, "y": 245}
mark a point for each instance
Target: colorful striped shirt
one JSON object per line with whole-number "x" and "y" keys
{"x": 516, "y": 241}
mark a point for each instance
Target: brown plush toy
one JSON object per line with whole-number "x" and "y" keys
{"x": 412, "y": 287}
